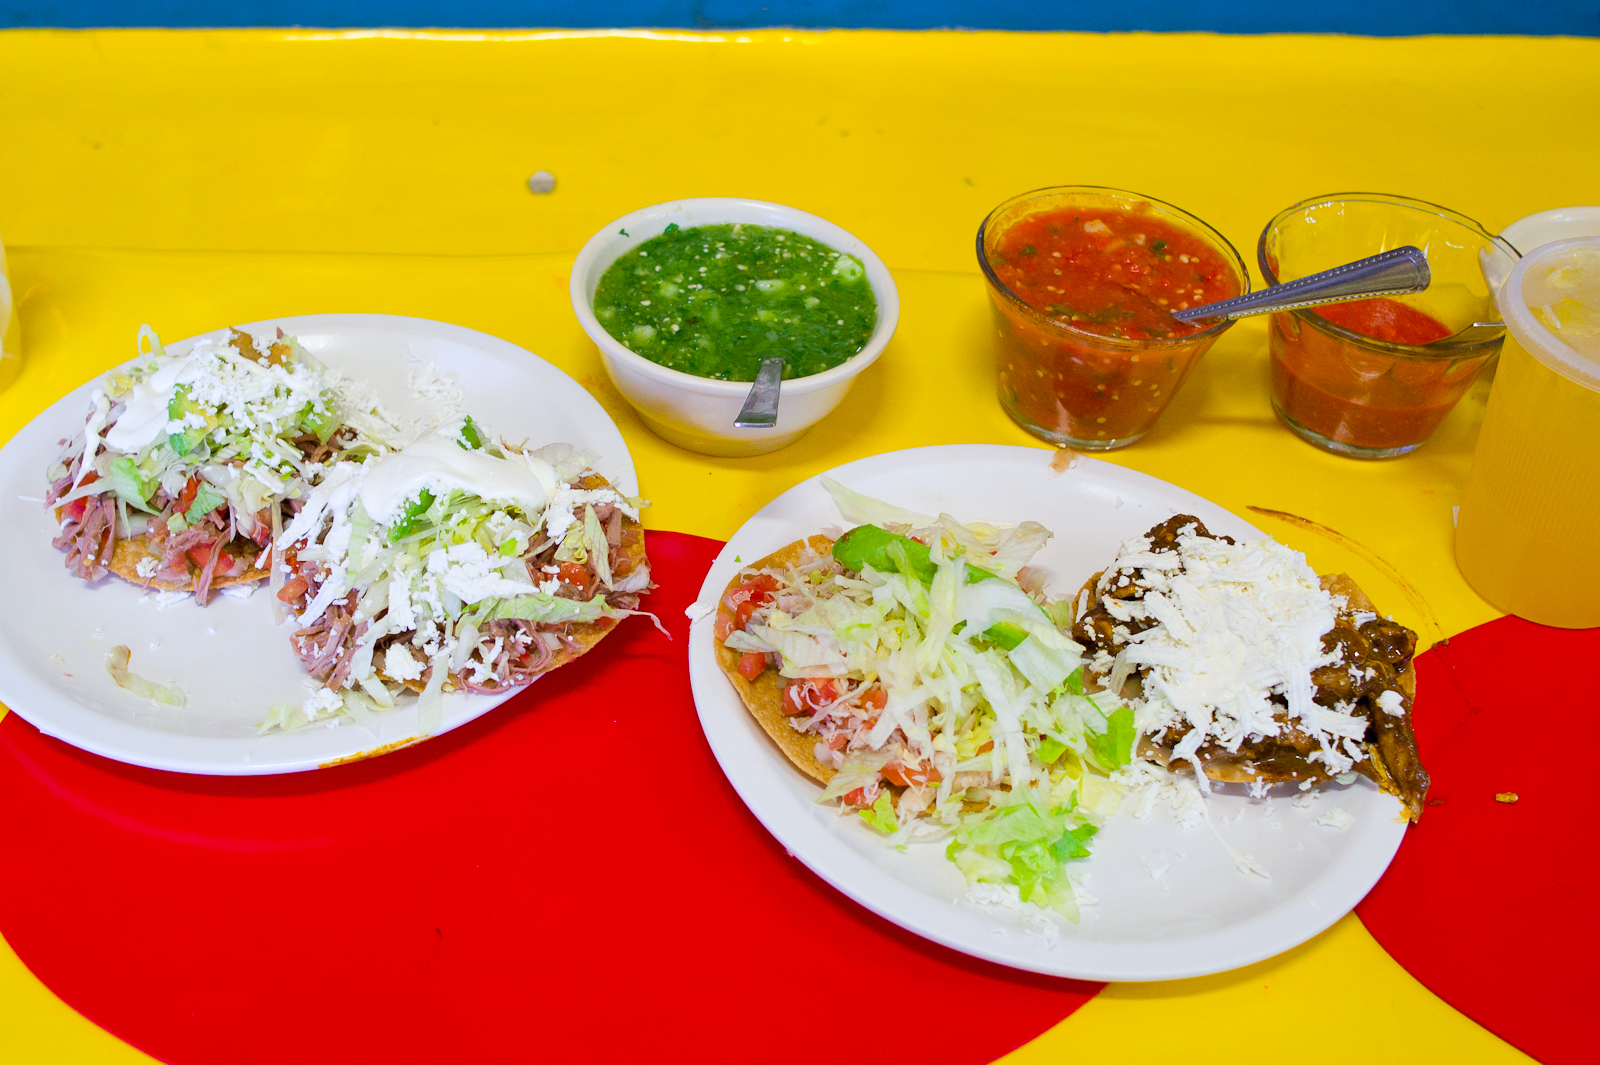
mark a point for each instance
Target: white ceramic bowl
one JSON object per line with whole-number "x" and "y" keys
{"x": 697, "y": 413}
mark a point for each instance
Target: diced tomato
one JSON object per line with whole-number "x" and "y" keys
{"x": 724, "y": 627}
{"x": 262, "y": 533}
{"x": 200, "y": 554}
{"x": 186, "y": 497}
{"x": 837, "y": 741}
{"x": 573, "y": 573}
{"x": 752, "y": 664}
{"x": 876, "y": 699}
{"x": 73, "y": 511}
{"x": 741, "y": 613}
{"x": 293, "y": 589}
{"x": 763, "y": 584}
{"x": 907, "y": 775}
{"x": 757, "y": 589}
{"x": 804, "y": 696}
{"x": 855, "y": 798}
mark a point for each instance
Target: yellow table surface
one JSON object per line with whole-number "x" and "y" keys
{"x": 192, "y": 179}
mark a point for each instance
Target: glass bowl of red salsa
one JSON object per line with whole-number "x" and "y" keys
{"x": 1083, "y": 281}
{"x": 1355, "y": 378}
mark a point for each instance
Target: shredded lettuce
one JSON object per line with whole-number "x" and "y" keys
{"x": 541, "y": 607}
{"x": 117, "y": 660}
{"x": 881, "y": 815}
{"x": 864, "y": 510}
{"x": 1026, "y": 842}
{"x": 130, "y": 485}
{"x": 1113, "y": 748}
{"x": 206, "y": 499}
{"x": 983, "y": 685}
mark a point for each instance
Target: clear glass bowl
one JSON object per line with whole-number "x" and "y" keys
{"x": 1352, "y": 394}
{"x": 1077, "y": 388}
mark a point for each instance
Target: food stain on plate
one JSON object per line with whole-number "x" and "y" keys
{"x": 387, "y": 748}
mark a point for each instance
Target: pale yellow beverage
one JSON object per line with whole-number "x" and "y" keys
{"x": 10, "y": 329}
{"x": 1528, "y": 533}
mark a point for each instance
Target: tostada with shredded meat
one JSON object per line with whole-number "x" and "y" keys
{"x": 186, "y": 464}
{"x": 1242, "y": 665}
{"x": 456, "y": 563}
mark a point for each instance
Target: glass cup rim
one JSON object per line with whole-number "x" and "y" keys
{"x": 1348, "y": 336}
{"x": 1207, "y": 231}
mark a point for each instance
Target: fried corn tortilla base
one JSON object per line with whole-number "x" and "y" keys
{"x": 127, "y": 554}
{"x": 763, "y": 697}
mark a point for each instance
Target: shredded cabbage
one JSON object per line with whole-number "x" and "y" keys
{"x": 984, "y": 732}
{"x": 864, "y": 510}
{"x": 117, "y": 660}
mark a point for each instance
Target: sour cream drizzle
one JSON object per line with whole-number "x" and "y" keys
{"x": 144, "y": 415}
{"x": 438, "y": 463}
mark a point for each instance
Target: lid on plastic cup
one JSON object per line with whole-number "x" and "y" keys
{"x": 1527, "y": 330}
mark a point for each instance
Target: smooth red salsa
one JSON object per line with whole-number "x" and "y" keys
{"x": 1387, "y": 320}
{"x": 1364, "y": 396}
{"x": 1109, "y": 272}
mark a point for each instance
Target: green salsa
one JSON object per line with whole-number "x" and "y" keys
{"x": 716, "y": 300}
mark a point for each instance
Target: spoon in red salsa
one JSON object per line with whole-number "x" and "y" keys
{"x": 1391, "y": 273}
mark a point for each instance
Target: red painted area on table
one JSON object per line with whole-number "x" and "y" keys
{"x": 1492, "y": 905}
{"x": 568, "y": 878}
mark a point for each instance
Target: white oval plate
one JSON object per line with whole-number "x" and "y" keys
{"x": 229, "y": 657}
{"x": 1171, "y": 901}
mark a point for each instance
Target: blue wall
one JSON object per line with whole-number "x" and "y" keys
{"x": 1379, "y": 17}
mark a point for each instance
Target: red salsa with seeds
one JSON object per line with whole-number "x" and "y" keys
{"x": 1108, "y": 273}
{"x": 1365, "y": 396}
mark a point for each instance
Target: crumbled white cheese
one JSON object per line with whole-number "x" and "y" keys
{"x": 146, "y": 567}
{"x": 1238, "y": 625}
{"x": 162, "y": 600}
{"x": 322, "y": 703}
{"x": 440, "y": 391}
{"x": 400, "y": 664}
{"x": 1149, "y": 784}
{"x": 1245, "y": 863}
{"x": 262, "y": 399}
{"x": 1336, "y": 818}
{"x": 468, "y": 573}
{"x": 1392, "y": 702}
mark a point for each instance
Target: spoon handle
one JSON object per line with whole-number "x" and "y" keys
{"x": 1389, "y": 273}
{"x": 760, "y": 410}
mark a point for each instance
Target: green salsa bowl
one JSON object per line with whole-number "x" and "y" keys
{"x": 698, "y": 412}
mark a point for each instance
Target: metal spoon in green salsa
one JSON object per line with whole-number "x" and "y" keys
{"x": 714, "y": 301}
